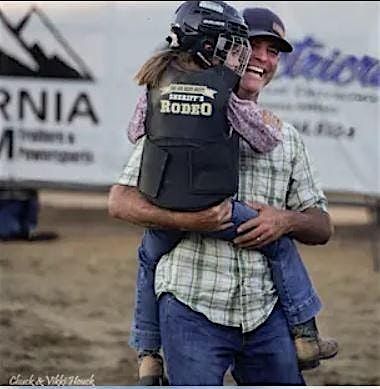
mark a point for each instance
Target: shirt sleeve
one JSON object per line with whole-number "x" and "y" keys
{"x": 305, "y": 190}
{"x": 136, "y": 127}
{"x": 130, "y": 173}
{"x": 258, "y": 126}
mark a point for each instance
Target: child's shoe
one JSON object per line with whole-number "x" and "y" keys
{"x": 311, "y": 350}
{"x": 151, "y": 370}
{"x": 328, "y": 348}
{"x": 310, "y": 347}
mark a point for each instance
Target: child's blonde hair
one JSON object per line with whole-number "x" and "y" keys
{"x": 151, "y": 71}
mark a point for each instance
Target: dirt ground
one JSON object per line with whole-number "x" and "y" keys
{"x": 66, "y": 306}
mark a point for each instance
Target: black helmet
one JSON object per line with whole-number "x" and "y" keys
{"x": 198, "y": 25}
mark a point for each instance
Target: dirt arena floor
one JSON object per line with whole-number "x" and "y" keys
{"x": 66, "y": 306}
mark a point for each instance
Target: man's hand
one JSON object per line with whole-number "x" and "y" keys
{"x": 311, "y": 226}
{"x": 127, "y": 203}
{"x": 268, "y": 226}
{"x": 216, "y": 218}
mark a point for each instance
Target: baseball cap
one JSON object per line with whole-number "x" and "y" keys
{"x": 263, "y": 22}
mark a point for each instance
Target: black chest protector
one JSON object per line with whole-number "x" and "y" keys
{"x": 191, "y": 156}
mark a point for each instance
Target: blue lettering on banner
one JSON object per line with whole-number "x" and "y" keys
{"x": 308, "y": 61}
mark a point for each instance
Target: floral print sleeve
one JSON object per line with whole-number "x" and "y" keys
{"x": 258, "y": 126}
{"x": 136, "y": 127}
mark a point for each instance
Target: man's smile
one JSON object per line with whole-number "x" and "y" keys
{"x": 257, "y": 71}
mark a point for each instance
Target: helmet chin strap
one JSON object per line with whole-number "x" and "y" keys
{"x": 204, "y": 62}
{"x": 203, "y": 51}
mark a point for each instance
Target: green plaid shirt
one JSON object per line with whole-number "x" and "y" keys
{"x": 233, "y": 286}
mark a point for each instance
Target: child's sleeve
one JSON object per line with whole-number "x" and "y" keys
{"x": 258, "y": 126}
{"x": 136, "y": 127}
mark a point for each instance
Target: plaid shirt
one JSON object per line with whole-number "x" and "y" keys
{"x": 233, "y": 286}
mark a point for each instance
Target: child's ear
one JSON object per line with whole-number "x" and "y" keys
{"x": 208, "y": 45}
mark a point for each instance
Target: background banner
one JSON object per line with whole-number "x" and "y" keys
{"x": 67, "y": 90}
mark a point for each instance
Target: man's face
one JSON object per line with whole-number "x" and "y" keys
{"x": 261, "y": 67}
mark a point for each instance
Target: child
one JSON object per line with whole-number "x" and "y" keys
{"x": 183, "y": 113}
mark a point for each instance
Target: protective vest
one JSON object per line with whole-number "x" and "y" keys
{"x": 191, "y": 156}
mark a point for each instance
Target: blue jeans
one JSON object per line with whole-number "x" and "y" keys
{"x": 199, "y": 352}
{"x": 18, "y": 217}
{"x": 298, "y": 298}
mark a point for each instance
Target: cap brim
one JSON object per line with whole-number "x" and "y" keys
{"x": 283, "y": 45}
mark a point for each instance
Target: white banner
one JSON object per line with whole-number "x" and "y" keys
{"x": 67, "y": 90}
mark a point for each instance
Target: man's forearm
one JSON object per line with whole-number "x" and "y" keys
{"x": 127, "y": 203}
{"x": 312, "y": 226}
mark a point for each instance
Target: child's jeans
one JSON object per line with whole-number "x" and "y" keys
{"x": 297, "y": 296}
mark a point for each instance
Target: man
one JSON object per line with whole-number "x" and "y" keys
{"x": 218, "y": 305}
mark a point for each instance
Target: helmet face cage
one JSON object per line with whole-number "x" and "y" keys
{"x": 234, "y": 52}
{"x": 214, "y": 32}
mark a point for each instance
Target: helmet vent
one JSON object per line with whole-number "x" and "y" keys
{"x": 237, "y": 29}
{"x": 202, "y": 12}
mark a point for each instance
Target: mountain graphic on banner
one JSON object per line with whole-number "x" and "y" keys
{"x": 34, "y": 48}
